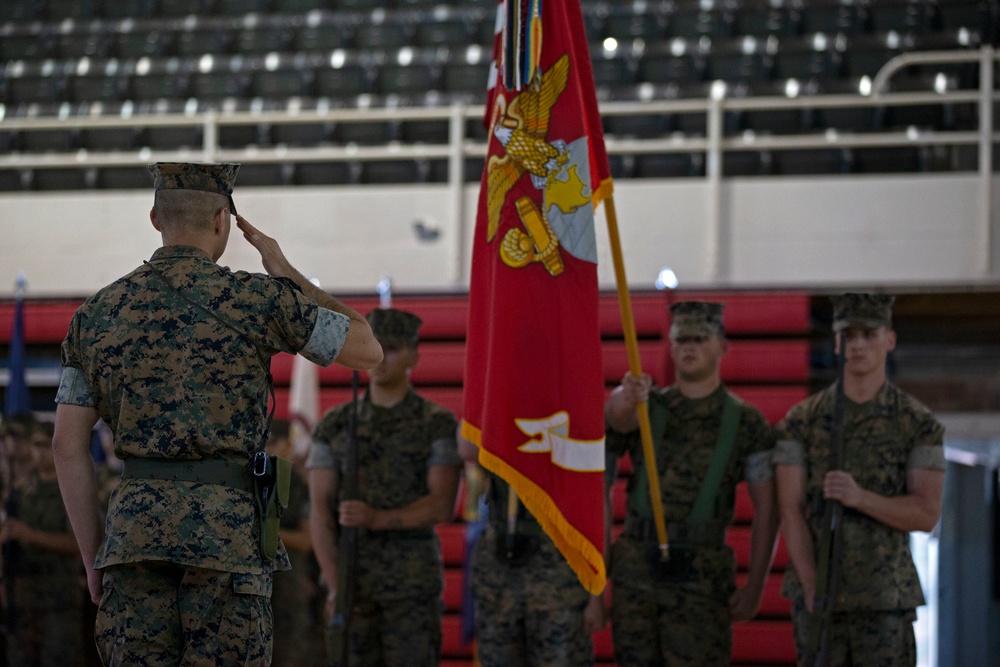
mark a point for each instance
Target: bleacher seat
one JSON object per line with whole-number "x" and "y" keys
{"x": 251, "y": 41}
{"x": 159, "y": 85}
{"x": 446, "y": 32}
{"x": 893, "y": 15}
{"x": 181, "y": 8}
{"x": 239, "y": 136}
{"x": 300, "y": 134}
{"x": 138, "y": 44}
{"x": 391, "y": 171}
{"x": 218, "y": 85}
{"x": 124, "y": 178}
{"x": 325, "y": 173}
{"x": 829, "y": 19}
{"x": 25, "y": 46}
{"x": 240, "y": 7}
{"x": 200, "y": 41}
{"x": 297, "y": 6}
{"x": 265, "y": 174}
{"x": 128, "y": 9}
{"x": 18, "y": 11}
{"x": 696, "y": 23}
{"x": 389, "y": 35}
{"x": 806, "y": 162}
{"x": 13, "y": 180}
{"x": 280, "y": 84}
{"x": 96, "y": 88}
{"x": 324, "y": 37}
{"x": 612, "y": 72}
{"x": 366, "y": 133}
{"x": 758, "y": 21}
{"x": 406, "y": 79}
{"x": 666, "y": 165}
{"x": 465, "y": 78}
{"x": 63, "y": 179}
{"x": 109, "y": 139}
{"x": 646, "y": 126}
{"x": 35, "y": 89}
{"x": 49, "y": 141}
{"x": 171, "y": 138}
{"x": 80, "y": 44}
{"x": 889, "y": 159}
{"x": 425, "y": 132}
{"x": 350, "y": 80}
{"x": 626, "y": 25}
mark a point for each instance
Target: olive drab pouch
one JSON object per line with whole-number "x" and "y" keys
{"x": 272, "y": 480}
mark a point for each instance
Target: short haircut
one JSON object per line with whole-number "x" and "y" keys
{"x": 190, "y": 210}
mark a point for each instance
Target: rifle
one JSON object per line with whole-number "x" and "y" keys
{"x": 347, "y": 549}
{"x": 831, "y": 543}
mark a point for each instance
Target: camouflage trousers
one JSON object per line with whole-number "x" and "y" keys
{"x": 528, "y": 615}
{"x": 868, "y": 638}
{"x": 400, "y": 633}
{"x": 670, "y": 627}
{"x": 155, "y": 613}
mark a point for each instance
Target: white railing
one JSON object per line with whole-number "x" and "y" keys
{"x": 712, "y": 146}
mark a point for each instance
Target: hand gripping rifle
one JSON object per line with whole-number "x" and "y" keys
{"x": 347, "y": 549}
{"x": 831, "y": 542}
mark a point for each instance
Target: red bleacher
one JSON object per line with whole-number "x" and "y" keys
{"x": 767, "y": 365}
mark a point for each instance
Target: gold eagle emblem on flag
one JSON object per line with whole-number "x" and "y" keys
{"x": 522, "y": 128}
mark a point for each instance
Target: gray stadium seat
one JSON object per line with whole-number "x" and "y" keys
{"x": 157, "y": 86}
{"x": 279, "y": 83}
{"x": 198, "y": 42}
{"x": 406, "y": 79}
{"x": 89, "y": 43}
{"x": 137, "y": 44}
{"x": 180, "y": 8}
{"x": 25, "y": 47}
{"x": 447, "y": 32}
{"x": 325, "y": 173}
{"x": 109, "y": 139}
{"x": 96, "y": 88}
{"x": 426, "y": 132}
{"x": 264, "y": 174}
{"x": 304, "y": 134}
{"x": 326, "y": 37}
{"x": 219, "y": 85}
{"x": 389, "y": 35}
{"x": 241, "y": 7}
{"x": 262, "y": 40}
{"x": 346, "y": 81}
{"x": 124, "y": 178}
{"x": 390, "y": 171}
{"x": 666, "y": 165}
{"x": 368, "y": 133}
{"x": 125, "y": 9}
{"x": 63, "y": 179}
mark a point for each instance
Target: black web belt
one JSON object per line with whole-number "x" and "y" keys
{"x": 233, "y": 474}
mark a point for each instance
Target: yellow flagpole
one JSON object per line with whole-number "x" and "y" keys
{"x": 635, "y": 368}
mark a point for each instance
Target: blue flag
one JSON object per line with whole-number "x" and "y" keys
{"x": 17, "y": 400}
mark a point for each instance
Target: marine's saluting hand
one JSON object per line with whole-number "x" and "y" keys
{"x": 270, "y": 253}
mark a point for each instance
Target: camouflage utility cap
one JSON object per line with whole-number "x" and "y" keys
{"x": 394, "y": 327}
{"x": 696, "y": 319}
{"x": 864, "y": 311}
{"x": 205, "y": 176}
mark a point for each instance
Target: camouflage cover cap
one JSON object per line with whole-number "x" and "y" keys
{"x": 206, "y": 176}
{"x": 864, "y": 311}
{"x": 696, "y": 319}
{"x": 394, "y": 327}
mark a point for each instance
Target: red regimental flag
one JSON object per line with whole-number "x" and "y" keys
{"x": 534, "y": 387}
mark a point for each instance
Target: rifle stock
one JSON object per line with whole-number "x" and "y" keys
{"x": 831, "y": 543}
{"x": 347, "y": 548}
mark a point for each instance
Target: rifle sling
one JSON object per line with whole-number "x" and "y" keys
{"x": 704, "y": 506}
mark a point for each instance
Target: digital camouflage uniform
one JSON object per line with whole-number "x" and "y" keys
{"x": 659, "y": 622}
{"x": 396, "y": 618}
{"x": 184, "y": 579}
{"x": 529, "y": 611}
{"x": 45, "y": 603}
{"x": 879, "y": 590}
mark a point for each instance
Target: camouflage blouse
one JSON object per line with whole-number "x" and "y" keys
{"x": 396, "y": 447}
{"x": 689, "y": 440}
{"x": 177, "y": 381}
{"x": 883, "y": 439}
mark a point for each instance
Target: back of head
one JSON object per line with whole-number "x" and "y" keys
{"x": 190, "y": 194}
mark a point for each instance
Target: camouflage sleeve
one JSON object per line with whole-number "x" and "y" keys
{"x": 322, "y": 453}
{"x": 758, "y": 467}
{"x": 789, "y": 453}
{"x": 327, "y": 338}
{"x": 293, "y": 316}
{"x": 444, "y": 448}
{"x": 73, "y": 389}
{"x": 926, "y": 456}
